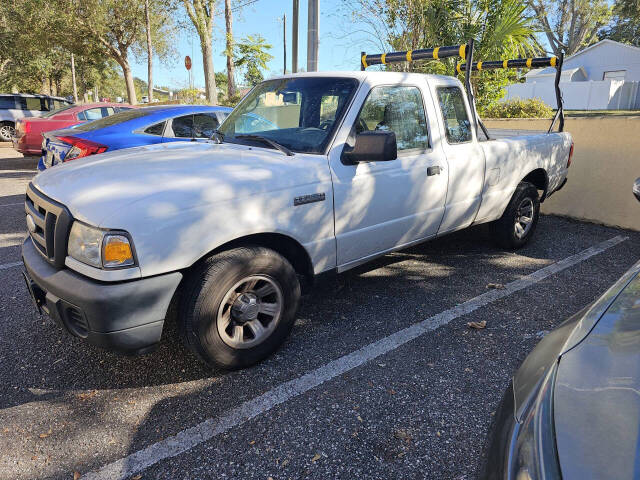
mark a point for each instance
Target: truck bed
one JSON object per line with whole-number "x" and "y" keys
{"x": 508, "y": 133}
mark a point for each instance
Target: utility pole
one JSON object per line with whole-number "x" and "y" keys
{"x": 73, "y": 79}
{"x": 294, "y": 37}
{"x": 313, "y": 28}
{"x": 284, "y": 41}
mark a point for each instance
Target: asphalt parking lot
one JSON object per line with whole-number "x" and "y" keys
{"x": 382, "y": 377}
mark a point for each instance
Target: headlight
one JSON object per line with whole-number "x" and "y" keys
{"x": 534, "y": 445}
{"x": 99, "y": 248}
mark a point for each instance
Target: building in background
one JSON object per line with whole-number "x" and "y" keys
{"x": 604, "y": 76}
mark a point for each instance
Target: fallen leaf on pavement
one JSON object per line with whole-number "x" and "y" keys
{"x": 137, "y": 477}
{"x": 87, "y": 396}
{"x": 76, "y": 475}
{"x": 497, "y": 286}
{"x": 316, "y": 457}
{"x": 477, "y": 325}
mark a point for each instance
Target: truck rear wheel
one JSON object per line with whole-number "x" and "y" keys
{"x": 518, "y": 222}
{"x": 239, "y": 306}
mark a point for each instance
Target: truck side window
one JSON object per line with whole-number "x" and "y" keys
{"x": 454, "y": 113}
{"x": 399, "y": 110}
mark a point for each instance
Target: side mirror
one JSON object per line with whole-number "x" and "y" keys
{"x": 376, "y": 146}
{"x": 636, "y": 189}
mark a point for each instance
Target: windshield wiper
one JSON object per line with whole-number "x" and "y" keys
{"x": 217, "y": 135}
{"x": 268, "y": 141}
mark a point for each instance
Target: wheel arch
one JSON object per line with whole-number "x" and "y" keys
{"x": 283, "y": 244}
{"x": 539, "y": 179}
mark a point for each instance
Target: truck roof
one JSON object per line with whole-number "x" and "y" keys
{"x": 398, "y": 77}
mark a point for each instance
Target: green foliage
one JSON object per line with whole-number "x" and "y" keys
{"x": 251, "y": 53}
{"x": 625, "y": 26}
{"x": 570, "y": 25}
{"x": 517, "y": 108}
{"x": 501, "y": 28}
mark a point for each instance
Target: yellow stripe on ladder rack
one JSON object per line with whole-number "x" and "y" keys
{"x": 554, "y": 61}
{"x": 383, "y": 58}
{"x": 409, "y": 52}
{"x": 462, "y": 52}
{"x": 364, "y": 61}
{"x": 435, "y": 52}
{"x": 505, "y": 63}
{"x": 529, "y": 62}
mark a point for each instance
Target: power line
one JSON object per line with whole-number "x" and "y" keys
{"x": 250, "y": 2}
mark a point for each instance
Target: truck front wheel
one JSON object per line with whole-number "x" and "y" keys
{"x": 239, "y": 306}
{"x": 518, "y": 222}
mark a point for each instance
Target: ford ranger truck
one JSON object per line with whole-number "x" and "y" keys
{"x": 311, "y": 173}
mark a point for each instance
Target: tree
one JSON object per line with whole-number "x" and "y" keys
{"x": 501, "y": 28}
{"x": 625, "y": 26}
{"x": 201, "y": 13}
{"x": 570, "y": 25}
{"x": 251, "y": 53}
{"x": 159, "y": 31}
{"x": 147, "y": 18}
{"x": 116, "y": 25}
{"x": 228, "y": 20}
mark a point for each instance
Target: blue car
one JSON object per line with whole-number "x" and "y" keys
{"x": 132, "y": 128}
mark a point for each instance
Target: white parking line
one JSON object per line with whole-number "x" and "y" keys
{"x": 191, "y": 437}
{"x": 6, "y": 266}
{"x": 11, "y": 204}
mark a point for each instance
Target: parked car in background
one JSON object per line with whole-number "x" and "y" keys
{"x": 572, "y": 410}
{"x": 28, "y": 131}
{"x": 143, "y": 126}
{"x": 15, "y": 106}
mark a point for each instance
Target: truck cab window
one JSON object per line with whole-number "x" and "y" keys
{"x": 399, "y": 110}
{"x": 300, "y": 114}
{"x": 454, "y": 113}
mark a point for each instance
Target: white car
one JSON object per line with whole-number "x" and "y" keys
{"x": 339, "y": 168}
{"x": 14, "y": 106}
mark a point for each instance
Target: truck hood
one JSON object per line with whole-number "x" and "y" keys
{"x": 597, "y": 393}
{"x": 177, "y": 175}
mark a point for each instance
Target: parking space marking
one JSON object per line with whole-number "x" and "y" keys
{"x": 11, "y": 204}
{"x": 7, "y": 266}
{"x": 191, "y": 437}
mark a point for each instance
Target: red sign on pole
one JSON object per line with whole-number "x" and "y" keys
{"x": 187, "y": 62}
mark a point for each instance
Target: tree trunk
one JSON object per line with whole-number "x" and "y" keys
{"x": 73, "y": 79}
{"x": 209, "y": 74}
{"x": 149, "y": 52}
{"x": 128, "y": 78}
{"x": 231, "y": 84}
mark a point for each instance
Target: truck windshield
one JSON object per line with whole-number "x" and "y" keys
{"x": 300, "y": 114}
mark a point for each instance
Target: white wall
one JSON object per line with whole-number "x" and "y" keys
{"x": 607, "y": 56}
{"x": 602, "y": 95}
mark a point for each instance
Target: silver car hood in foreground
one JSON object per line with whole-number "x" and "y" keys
{"x": 597, "y": 393}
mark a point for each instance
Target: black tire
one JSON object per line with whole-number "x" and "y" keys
{"x": 212, "y": 281}
{"x": 7, "y": 130}
{"x": 505, "y": 230}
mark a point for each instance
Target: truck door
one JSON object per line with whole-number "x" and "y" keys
{"x": 380, "y": 205}
{"x": 464, "y": 156}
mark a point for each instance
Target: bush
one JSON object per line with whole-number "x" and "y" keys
{"x": 518, "y": 108}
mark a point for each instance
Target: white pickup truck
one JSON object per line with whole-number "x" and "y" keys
{"x": 310, "y": 174}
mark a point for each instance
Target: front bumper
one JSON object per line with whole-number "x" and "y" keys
{"x": 125, "y": 316}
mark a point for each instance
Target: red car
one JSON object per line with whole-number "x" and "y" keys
{"x": 28, "y": 136}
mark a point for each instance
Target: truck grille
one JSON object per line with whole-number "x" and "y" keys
{"x": 50, "y": 227}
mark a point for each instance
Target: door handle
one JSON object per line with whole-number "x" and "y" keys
{"x": 434, "y": 170}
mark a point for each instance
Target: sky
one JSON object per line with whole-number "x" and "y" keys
{"x": 337, "y": 50}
